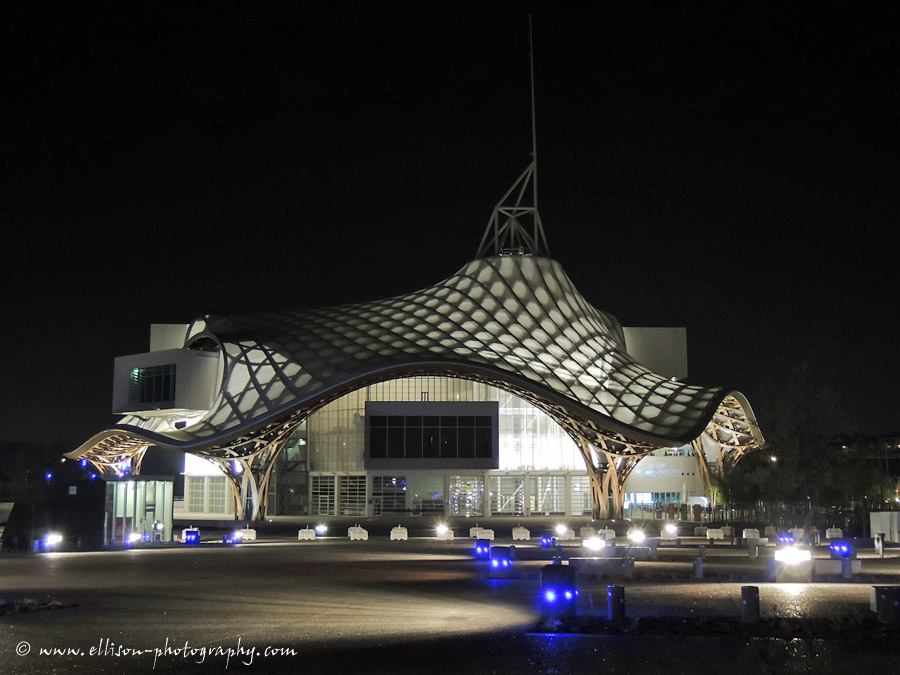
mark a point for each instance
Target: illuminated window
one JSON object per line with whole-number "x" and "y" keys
{"x": 155, "y": 384}
{"x": 218, "y": 494}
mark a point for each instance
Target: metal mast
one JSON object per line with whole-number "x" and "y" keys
{"x": 506, "y": 233}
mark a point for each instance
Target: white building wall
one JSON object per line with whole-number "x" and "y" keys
{"x": 886, "y": 523}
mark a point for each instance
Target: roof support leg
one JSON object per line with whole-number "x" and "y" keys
{"x": 250, "y": 482}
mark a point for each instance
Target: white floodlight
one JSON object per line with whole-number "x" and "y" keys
{"x": 792, "y": 555}
{"x": 594, "y": 543}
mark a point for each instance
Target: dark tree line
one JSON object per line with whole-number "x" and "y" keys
{"x": 808, "y": 474}
{"x": 25, "y": 465}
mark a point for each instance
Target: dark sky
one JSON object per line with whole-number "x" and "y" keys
{"x": 731, "y": 167}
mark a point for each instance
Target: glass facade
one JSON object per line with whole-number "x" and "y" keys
{"x": 138, "y": 510}
{"x": 323, "y": 495}
{"x": 322, "y": 469}
{"x": 352, "y": 498}
{"x": 152, "y": 385}
{"x": 332, "y": 442}
{"x": 389, "y": 496}
{"x": 466, "y": 495}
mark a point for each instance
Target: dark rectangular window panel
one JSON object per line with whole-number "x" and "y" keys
{"x": 448, "y": 442}
{"x": 431, "y": 443}
{"x": 153, "y": 385}
{"x": 483, "y": 442}
{"x": 395, "y": 442}
{"x": 431, "y": 435}
{"x": 465, "y": 443}
{"x": 378, "y": 443}
{"x": 414, "y": 442}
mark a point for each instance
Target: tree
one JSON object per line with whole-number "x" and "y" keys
{"x": 807, "y": 466}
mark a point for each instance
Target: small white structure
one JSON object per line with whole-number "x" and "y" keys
{"x": 700, "y": 531}
{"x": 399, "y": 533}
{"x": 521, "y": 534}
{"x": 669, "y": 533}
{"x": 606, "y": 534}
{"x": 567, "y": 535}
{"x": 715, "y": 533}
{"x": 727, "y": 530}
{"x": 587, "y": 532}
{"x": 184, "y": 532}
{"x": 443, "y": 532}
{"x": 306, "y": 534}
{"x": 481, "y": 533}
{"x": 834, "y": 533}
{"x": 247, "y": 534}
{"x": 798, "y": 533}
{"x": 750, "y": 533}
{"x": 357, "y": 533}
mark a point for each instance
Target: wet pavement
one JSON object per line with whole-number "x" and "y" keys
{"x": 421, "y": 606}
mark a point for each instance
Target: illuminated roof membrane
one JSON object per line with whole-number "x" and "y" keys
{"x": 509, "y": 319}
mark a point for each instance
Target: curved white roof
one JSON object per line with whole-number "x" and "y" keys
{"x": 515, "y": 321}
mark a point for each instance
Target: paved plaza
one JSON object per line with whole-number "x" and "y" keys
{"x": 423, "y": 605}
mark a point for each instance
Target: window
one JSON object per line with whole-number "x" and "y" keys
{"x": 218, "y": 494}
{"x": 323, "y": 495}
{"x": 196, "y": 494}
{"x": 547, "y": 495}
{"x": 353, "y": 495}
{"x": 444, "y": 437}
{"x": 155, "y": 384}
{"x": 466, "y": 495}
{"x": 389, "y": 495}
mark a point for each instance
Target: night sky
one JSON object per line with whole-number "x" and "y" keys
{"x": 731, "y": 167}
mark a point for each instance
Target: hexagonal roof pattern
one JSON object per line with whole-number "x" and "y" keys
{"x": 514, "y": 319}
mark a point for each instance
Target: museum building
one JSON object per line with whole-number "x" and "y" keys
{"x": 498, "y": 391}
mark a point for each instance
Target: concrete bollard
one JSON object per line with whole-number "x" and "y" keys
{"x": 615, "y": 596}
{"x": 879, "y": 544}
{"x": 846, "y": 568}
{"x": 749, "y": 604}
{"x": 698, "y": 568}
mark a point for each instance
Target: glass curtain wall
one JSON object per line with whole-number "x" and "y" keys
{"x": 389, "y": 496}
{"x": 547, "y": 495}
{"x": 138, "y": 511}
{"x": 353, "y": 495}
{"x": 508, "y": 495}
{"x": 581, "y": 495}
{"x": 333, "y": 440}
{"x": 323, "y": 495}
{"x": 466, "y": 495}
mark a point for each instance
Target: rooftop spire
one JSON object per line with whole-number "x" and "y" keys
{"x": 506, "y": 233}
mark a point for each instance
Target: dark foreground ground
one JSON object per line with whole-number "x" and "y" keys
{"x": 424, "y": 606}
